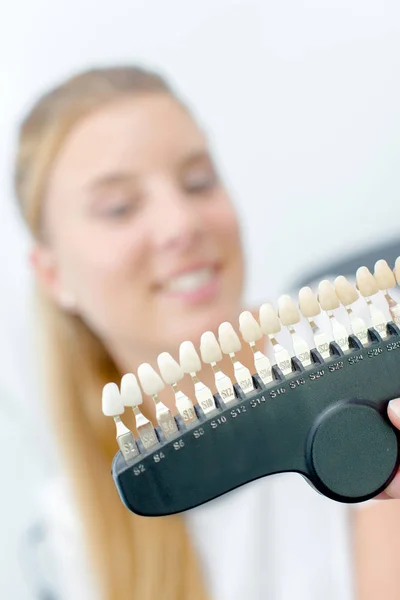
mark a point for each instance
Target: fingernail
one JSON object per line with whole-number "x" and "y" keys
{"x": 394, "y": 405}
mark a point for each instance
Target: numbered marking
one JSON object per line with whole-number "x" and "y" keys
{"x": 277, "y": 392}
{"x": 139, "y": 470}
{"x": 220, "y": 421}
{"x": 336, "y": 366}
{"x": 178, "y": 445}
{"x": 235, "y": 412}
{"x": 317, "y": 374}
{"x": 374, "y": 352}
{"x": 355, "y": 359}
{"x": 198, "y": 433}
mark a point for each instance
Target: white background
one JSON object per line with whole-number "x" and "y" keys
{"x": 302, "y": 99}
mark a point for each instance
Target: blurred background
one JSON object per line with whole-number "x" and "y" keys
{"x": 301, "y": 99}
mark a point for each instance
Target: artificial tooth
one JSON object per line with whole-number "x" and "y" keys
{"x": 270, "y": 326}
{"x": 368, "y": 286}
{"x": 329, "y": 302}
{"x": 191, "y": 364}
{"x": 230, "y": 344}
{"x": 251, "y": 333}
{"x": 385, "y": 278}
{"x": 289, "y": 316}
{"x": 152, "y": 384}
{"x": 310, "y": 308}
{"x": 211, "y": 354}
{"x": 113, "y": 406}
{"x": 172, "y": 372}
{"x": 347, "y": 294}
{"x": 131, "y": 395}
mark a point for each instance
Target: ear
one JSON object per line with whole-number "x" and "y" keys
{"x": 44, "y": 265}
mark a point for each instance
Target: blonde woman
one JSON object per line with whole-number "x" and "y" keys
{"x": 136, "y": 248}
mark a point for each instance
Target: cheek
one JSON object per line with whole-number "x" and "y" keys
{"x": 95, "y": 263}
{"x": 222, "y": 221}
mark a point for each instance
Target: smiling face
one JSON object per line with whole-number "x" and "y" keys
{"x": 141, "y": 238}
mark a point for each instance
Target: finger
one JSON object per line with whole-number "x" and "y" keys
{"x": 394, "y": 412}
{"x": 393, "y": 489}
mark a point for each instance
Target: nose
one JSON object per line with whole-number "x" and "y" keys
{"x": 177, "y": 222}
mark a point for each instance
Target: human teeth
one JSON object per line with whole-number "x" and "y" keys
{"x": 190, "y": 282}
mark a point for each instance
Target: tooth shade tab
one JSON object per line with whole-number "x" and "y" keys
{"x": 327, "y": 296}
{"x": 131, "y": 393}
{"x": 151, "y": 382}
{"x": 188, "y": 358}
{"x": 209, "y": 348}
{"x": 345, "y": 291}
{"x": 308, "y": 303}
{"x": 170, "y": 370}
{"x": 397, "y": 269}
{"x": 287, "y": 310}
{"x": 366, "y": 282}
{"x": 228, "y": 339}
{"x": 112, "y": 404}
{"x": 384, "y": 275}
{"x": 249, "y": 328}
{"x": 269, "y": 320}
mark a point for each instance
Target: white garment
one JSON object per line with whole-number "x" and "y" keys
{"x": 273, "y": 539}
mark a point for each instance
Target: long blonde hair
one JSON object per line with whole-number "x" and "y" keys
{"x": 132, "y": 557}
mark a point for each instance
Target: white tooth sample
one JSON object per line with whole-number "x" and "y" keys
{"x": 113, "y": 406}
{"x": 189, "y": 282}
{"x": 172, "y": 372}
{"x": 310, "y": 308}
{"x": 152, "y": 384}
{"x": 329, "y": 302}
{"x": 289, "y": 316}
{"x": 131, "y": 395}
{"x": 347, "y": 294}
{"x": 230, "y": 344}
{"x": 112, "y": 403}
{"x": 251, "y": 333}
{"x": 386, "y": 280}
{"x": 270, "y": 325}
{"x": 211, "y": 354}
{"x": 368, "y": 286}
{"x": 191, "y": 364}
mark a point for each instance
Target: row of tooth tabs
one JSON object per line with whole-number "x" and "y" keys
{"x": 329, "y": 298}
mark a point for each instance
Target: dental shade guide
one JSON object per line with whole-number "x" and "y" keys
{"x": 321, "y": 412}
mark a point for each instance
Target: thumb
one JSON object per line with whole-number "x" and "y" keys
{"x": 394, "y": 412}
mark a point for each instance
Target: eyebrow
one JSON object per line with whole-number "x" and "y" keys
{"x": 117, "y": 177}
{"x": 110, "y": 179}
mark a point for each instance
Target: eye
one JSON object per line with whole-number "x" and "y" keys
{"x": 199, "y": 180}
{"x": 116, "y": 208}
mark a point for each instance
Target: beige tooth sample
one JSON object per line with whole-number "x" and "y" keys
{"x": 368, "y": 286}
{"x": 191, "y": 364}
{"x": 211, "y": 354}
{"x": 386, "y": 280}
{"x": 251, "y": 333}
{"x": 310, "y": 308}
{"x": 131, "y": 395}
{"x": 347, "y": 294}
{"x": 152, "y": 384}
{"x": 329, "y": 302}
{"x": 270, "y": 326}
{"x": 113, "y": 406}
{"x": 289, "y": 316}
{"x": 172, "y": 372}
{"x": 230, "y": 344}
